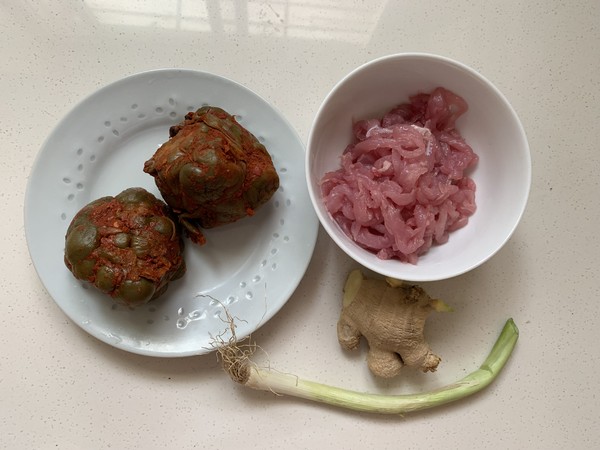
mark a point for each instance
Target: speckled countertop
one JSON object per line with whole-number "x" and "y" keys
{"x": 62, "y": 388}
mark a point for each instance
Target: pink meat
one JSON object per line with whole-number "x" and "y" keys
{"x": 402, "y": 186}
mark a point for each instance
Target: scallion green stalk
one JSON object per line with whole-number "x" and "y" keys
{"x": 240, "y": 367}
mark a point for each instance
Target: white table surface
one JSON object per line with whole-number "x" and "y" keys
{"x": 61, "y": 388}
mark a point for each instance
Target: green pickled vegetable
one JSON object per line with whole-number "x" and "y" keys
{"x": 212, "y": 171}
{"x": 127, "y": 246}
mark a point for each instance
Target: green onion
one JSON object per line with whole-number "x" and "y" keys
{"x": 237, "y": 363}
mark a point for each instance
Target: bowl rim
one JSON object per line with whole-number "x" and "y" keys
{"x": 353, "y": 250}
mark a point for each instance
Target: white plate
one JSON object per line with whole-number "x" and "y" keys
{"x": 249, "y": 268}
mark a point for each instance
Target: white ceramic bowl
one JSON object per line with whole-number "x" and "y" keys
{"x": 490, "y": 126}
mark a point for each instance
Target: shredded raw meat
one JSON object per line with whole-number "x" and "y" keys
{"x": 402, "y": 186}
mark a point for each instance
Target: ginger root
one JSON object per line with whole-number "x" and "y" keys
{"x": 390, "y": 315}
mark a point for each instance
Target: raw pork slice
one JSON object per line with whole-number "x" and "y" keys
{"x": 402, "y": 186}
